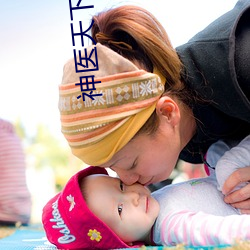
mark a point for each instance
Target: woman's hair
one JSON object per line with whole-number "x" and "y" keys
{"x": 137, "y": 35}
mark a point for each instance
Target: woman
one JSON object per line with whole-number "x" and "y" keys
{"x": 205, "y": 97}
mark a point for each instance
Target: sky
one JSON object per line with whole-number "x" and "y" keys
{"x": 35, "y": 43}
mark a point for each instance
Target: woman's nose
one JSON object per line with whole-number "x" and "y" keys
{"x": 126, "y": 177}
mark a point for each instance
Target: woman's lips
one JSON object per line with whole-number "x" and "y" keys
{"x": 148, "y": 183}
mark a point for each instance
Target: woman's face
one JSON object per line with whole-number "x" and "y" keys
{"x": 147, "y": 159}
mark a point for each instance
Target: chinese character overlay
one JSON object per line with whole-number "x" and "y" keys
{"x": 84, "y": 62}
{"x": 89, "y": 85}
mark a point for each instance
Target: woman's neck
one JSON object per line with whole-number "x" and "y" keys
{"x": 187, "y": 125}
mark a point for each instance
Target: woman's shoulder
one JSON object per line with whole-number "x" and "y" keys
{"x": 209, "y": 65}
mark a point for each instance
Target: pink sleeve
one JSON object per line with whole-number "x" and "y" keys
{"x": 201, "y": 229}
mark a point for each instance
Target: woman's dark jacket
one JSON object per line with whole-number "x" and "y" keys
{"x": 217, "y": 68}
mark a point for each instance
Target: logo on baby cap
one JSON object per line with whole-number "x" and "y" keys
{"x": 71, "y": 201}
{"x": 94, "y": 235}
{"x": 66, "y": 237}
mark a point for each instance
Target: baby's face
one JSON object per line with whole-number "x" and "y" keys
{"x": 130, "y": 211}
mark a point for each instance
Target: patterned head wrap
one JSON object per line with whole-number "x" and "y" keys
{"x": 99, "y": 127}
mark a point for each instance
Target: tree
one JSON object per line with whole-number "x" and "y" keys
{"x": 45, "y": 150}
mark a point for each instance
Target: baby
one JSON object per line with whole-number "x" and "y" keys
{"x": 96, "y": 211}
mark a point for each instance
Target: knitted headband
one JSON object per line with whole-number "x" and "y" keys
{"x": 122, "y": 101}
{"x": 69, "y": 223}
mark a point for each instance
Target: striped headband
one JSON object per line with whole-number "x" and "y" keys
{"x": 123, "y": 100}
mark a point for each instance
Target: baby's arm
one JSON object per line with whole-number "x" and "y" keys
{"x": 237, "y": 157}
{"x": 201, "y": 229}
{"x": 214, "y": 153}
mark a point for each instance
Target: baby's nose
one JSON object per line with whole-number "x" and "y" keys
{"x": 133, "y": 197}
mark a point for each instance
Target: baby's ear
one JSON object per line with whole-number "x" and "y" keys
{"x": 168, "y": 109}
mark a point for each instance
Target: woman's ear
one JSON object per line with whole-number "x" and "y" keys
{"x": 168, "y": 110}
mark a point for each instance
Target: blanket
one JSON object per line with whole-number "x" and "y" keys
{"x": 33, "y": 237}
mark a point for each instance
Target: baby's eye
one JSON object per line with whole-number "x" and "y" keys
{"x": 121, "y": 186}
{"x": 120, "y": 206}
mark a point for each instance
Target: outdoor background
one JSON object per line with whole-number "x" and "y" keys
{"x": 35, "y": 43}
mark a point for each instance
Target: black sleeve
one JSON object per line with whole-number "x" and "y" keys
{"x": 242, "y": 53}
